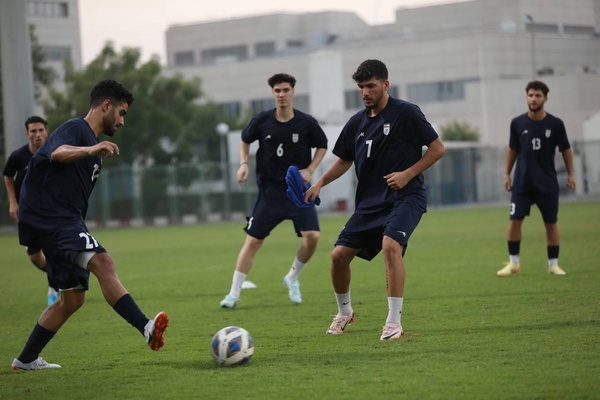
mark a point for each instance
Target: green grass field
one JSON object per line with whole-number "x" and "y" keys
{"x": 469, "y": 334}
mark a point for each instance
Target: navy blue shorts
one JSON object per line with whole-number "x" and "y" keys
{"x": 365, "y": 231}
{"x": 61, "y": 246}
{"x": 273, "y": 206}
{"x": 547, "y": 202}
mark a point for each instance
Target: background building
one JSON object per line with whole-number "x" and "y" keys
{"x": 467, "y": 61}
{"x": 56, "y": 25}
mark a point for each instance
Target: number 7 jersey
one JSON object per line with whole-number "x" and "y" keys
{"x": 391, "y": 141}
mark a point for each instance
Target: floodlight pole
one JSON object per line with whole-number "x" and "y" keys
{"x": 223, "y": 131}
{"x": 532, "y": 32}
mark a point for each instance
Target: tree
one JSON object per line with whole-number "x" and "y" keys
{"x": 166, "y": 122}
{"x": 459, "y": 131}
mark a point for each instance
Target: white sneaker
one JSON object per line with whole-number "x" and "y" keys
{"x": 39, "y": 363}
{"x": 556, "y": 270}
{"x": 509, "y": 269}
{"x": 229, "y": 301}
{"x": 391, "y": 331}
{"x": 293, "y": 287}
{"x": 339, "y": 323}
{"x": 155, "y": 329}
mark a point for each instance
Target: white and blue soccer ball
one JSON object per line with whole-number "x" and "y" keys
{"x": 232, "y": 346}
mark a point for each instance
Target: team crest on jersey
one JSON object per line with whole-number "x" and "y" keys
{"x": 295, "y": 137}
{"x": 386, "y": 129}
{"x": 548, "y": 133}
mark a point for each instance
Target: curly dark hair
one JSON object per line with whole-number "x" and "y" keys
{"x": 370, "y": 69}
{"x": 537, "y": 85}
{"x": 112, "y": 90}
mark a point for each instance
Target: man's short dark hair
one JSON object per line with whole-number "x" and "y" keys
{"x": 34, "y": 119}
{"x": 281, "y": 78}
{"x": 538, "y": 85}
{"x": 370, "y": 69}
{"x": 112, "y": 90}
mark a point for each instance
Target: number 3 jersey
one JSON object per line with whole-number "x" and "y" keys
{"x": 536, "y": 143}
{"x": 55, "y": 191}
{"x": 282, "y": 144}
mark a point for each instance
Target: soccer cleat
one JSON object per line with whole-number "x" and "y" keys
{"x": 35, "y": 365}
{"x": 155, "y": 329}
{"x": 391, "y": 331}
{"x": 230, "y": 301}
{"x": 52, "y": 296}
{"x": 293, "y": 287}
{"x": 340, "y": 322}
{"x": 509, "y": 269}
{"x": 556, "y": 270}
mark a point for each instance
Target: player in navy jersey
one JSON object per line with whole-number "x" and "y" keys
{"x": 14, "y": 173}
{"x": 286, "y": 137}
{"x": 52, "y": 209}
{"x": 534, "y": 137}
{"x": 385, "y": 143}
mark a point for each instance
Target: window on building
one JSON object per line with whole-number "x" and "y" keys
{"x": 294, "y": 44}
{"x": 579, "y": 30}
{"x": 437, "y": 91}
{"x": 56, "y": 53}
{"x": 352, "y": 99}
{"x": 220, "y": 55}
{"x": 231, "y": 110}
{"x": 46, "y": 9}
{"x": 301, "y": 102}
{"x": 264, "y": 49}
{"x": 184, "y": 58}
{"x": 259, "y": 105}
{"x": 541, "y": 28}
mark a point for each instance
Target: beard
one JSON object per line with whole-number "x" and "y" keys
{"x": 108, "y": 125}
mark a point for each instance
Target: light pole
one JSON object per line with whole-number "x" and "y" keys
{"x": 223, "y": 131}
{"x": 532, "y": 31}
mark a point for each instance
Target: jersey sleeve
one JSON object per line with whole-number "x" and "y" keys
{"x": 318, "y": 137}
{"x": 344, "y": 145}
{"x": 563, "y": 140}
{"x": 71, "y": 133}
{"x": 251, "y": 132}
{"x": 424, "y": 132}
{"x": 513, "y": 141}
{"x": 10, "y": 168}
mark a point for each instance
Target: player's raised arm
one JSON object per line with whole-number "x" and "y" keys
{"x": 68, "y": 154}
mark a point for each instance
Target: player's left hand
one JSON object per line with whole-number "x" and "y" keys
{"x": 571, "y": 182}
{"x": 397, "y": 180}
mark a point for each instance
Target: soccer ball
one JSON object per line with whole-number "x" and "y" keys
{"x": 232, "y": 346}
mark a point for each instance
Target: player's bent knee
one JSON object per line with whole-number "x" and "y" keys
{"x": 71, "y": 301}
{"x": 311, "y": 236}
{"x": 341, "y": 256}
{"x": 101, "y": 264}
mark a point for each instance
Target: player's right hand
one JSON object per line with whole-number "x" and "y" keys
{"x": 13, "y": 211}
{"x": 242, "y": 174}
{"x": 105, "y": 149}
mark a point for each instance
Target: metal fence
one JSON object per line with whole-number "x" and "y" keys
{"x": 183, "y": 193}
